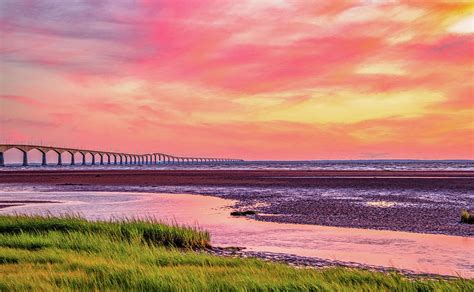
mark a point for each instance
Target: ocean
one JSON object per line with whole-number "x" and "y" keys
{"x": 460, "y": 165}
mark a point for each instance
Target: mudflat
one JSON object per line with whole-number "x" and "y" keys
{"x": 413, "y": 201}
{"x": 287, "y": 178}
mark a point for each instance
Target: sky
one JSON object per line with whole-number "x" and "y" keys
{"x": 259, "y": 79}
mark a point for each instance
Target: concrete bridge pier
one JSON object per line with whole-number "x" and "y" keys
{"x": 60, "y": 159}
{"x": 73, "y": 161}
{"x": 43, "y": 158}
{"x": 25, "y": 158}
{"x": 2, "y": 160}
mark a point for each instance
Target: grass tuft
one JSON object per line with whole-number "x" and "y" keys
{"x": 146, "y": 230}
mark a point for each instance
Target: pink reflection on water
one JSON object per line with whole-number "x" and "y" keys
{"x": 424, "y": 253}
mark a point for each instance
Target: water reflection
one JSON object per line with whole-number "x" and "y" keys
{"x": 426, "y": 253}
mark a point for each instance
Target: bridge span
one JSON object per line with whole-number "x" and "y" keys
{"x": 105, "y": 157}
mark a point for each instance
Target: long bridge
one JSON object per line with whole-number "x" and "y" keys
{"x": 106, "y": 157}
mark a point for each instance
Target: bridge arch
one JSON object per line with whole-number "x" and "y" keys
{"x": 34, "y": 156}
{"x": 66, "y": 157}
{"x": 15, "y": 154}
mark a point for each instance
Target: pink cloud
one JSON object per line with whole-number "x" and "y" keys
{"x": 25, "y": 100}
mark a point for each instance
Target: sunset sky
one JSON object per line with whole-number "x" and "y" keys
{"x": 260, "y": 79}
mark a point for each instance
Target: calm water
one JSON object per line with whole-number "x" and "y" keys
{"x": 466, "y": 165}
{"x": 424, "y": 253}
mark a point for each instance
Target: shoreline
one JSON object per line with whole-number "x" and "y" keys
{"x": 411, "y": 201}
{"x": 319, "y": 263}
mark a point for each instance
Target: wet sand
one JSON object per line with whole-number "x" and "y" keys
{"x": 288, "y": 178}
{"x": 414, "y": 201}
{"x": 15, "y": 203}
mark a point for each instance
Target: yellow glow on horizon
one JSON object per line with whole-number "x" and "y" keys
{"x": 349, "y": 107}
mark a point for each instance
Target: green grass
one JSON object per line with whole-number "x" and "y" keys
{"x": 70, "y": 253}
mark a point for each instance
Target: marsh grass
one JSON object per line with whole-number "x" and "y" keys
{"x": 70, "y": 253}
{"x": 146, "y": 230}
